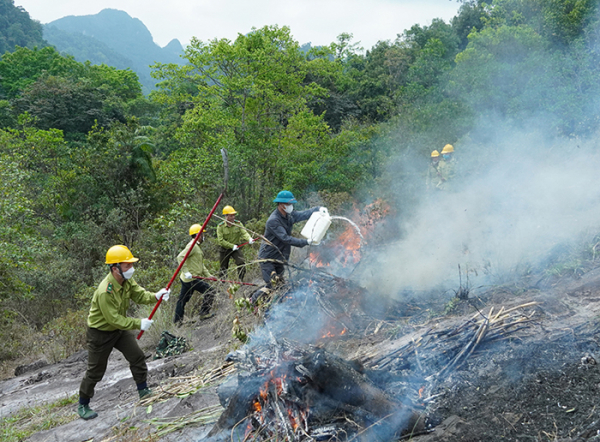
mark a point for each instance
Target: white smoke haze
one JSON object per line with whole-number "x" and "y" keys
{"x": 298, "y": 317}
{"x": 509, "y": 207}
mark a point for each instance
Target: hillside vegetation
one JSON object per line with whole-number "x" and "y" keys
{"x": 87, "y": 161}
{"x": 17, "y": 28}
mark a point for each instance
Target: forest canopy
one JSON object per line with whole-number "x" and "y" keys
{"x": 87, "y": 161}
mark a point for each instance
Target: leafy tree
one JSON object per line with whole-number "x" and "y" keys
{"x": 418, "y": 37}
{"x": 559, "y": 21}
{"x": 248, "y": 91}
{"x": 17, "y": 28}
{"x": 471, "y": 16}
{"x": 122, "y": 84}
{"x": 566, "y": 20}
{"x": 35, "y": 273}
{"x": 328, "y": 71}
{"x": 15, "y": 221}
{"x": 114, "y": 178}
{"x": 64, "y": 94}
{"x": 512, "y": 72}
{"x": 498, "y": 67}
{"x": 24, "y": 66}
{"x": 68, "y": 105}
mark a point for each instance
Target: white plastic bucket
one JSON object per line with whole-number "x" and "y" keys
{"x": 317, "y": 225}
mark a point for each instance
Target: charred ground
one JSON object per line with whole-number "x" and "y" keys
{"x": 539, "y": 382}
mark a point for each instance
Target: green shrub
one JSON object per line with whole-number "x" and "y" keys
{"x": 66, "y": 335}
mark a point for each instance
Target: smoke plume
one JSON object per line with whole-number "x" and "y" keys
{"x": 509, "y": 205}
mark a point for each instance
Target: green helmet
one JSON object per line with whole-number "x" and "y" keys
{"x": 285, "y": 196}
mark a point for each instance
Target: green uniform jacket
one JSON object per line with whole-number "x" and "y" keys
{"x": 228, "y": 236}
{"x": 194, "y": 263}
{"x": 446, "y": 169}
{"x": 111, "y": 301}
{"x": 434, "y": 177}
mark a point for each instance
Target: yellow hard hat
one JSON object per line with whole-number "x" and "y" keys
{"x": 228, "y": 210}
{"x": 117, "y": 254}
{"x": 195, "y": 229}
{"x": 448, "y": 148}
{"x": 435, "y": 154}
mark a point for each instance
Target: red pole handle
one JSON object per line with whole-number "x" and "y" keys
{"x": 243, "y": 244}
{"x": 184, "y": 258}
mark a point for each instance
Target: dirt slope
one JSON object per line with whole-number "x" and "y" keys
{"x": 542, "y": 383}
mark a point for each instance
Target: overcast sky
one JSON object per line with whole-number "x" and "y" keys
{"x": 315, "y": 21}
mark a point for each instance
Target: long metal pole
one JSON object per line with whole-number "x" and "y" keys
{"x": 225, "y": 280}
{"x": 184, "y": 258}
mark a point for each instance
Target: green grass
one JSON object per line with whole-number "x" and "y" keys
{"x": 572, "y": 267}
{"x": 31, "y": 420}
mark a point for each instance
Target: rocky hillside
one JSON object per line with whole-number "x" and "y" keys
{"x": 505, "y": 363}
{"x": 114, "y": 38}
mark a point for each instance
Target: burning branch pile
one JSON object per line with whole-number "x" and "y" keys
{"x": 306, "y": 393}
{"x": 288, "y": 387}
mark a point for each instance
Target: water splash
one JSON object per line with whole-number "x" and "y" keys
{"x": 353, "y": 224}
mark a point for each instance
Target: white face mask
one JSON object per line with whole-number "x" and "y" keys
{"x": 129, "y": 273}
{"x": 289, "y": 208}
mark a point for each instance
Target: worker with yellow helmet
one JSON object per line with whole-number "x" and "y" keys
{"x": 434, "y": 178}
{"x": 447, "y": 166}
{"x": 230, "y": 235}
{"x": 109, "y": 327}
{"x": 192, "y": 267}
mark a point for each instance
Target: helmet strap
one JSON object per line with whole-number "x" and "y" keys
{"x": 118, "y": 266}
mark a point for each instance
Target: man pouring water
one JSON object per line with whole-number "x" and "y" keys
{"x": 278, "y": 232}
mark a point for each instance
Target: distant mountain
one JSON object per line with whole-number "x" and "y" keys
{"x": 85, "y": 48}
{"x": 18, "y": 29}
{"x": 112, "y": 37}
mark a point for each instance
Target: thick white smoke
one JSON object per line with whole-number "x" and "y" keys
{"x": 510, "y": 205}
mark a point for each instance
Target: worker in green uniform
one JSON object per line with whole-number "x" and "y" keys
{"x": 194, "y": 266}
{"x": 109, "y": 327}
{"x": 230, "y": 235}
{"x": 434, "y": 177}
{"x": 447, "y": 167}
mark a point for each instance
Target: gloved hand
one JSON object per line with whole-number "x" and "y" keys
{"x": 146, "y": 323}
{"x": 251, "y": 241}
{"x": 187, "y": 275}
{"x": 164, "y": 293}
{"x": 235, "y": 247}
{"x": 312, "y": 242}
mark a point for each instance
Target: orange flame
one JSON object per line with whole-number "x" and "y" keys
{"x": 293, "y": 421}
{"x": 248, "y": 430}
{"x": 349, "y": 243}
{"x": 332, "y": 333}
{"x": 264, "y": 391}
{"x": 315, "y": 260}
